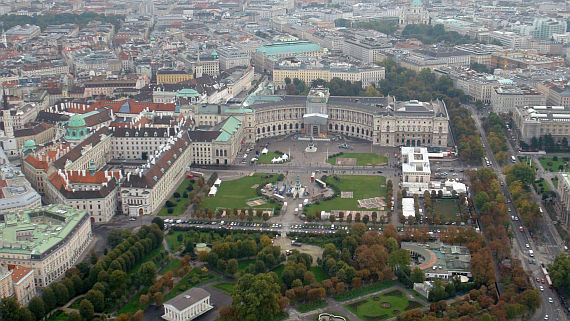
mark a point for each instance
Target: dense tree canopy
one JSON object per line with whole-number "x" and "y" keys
{"x": 560, "y": 272}
{"x": 429, "y": 34}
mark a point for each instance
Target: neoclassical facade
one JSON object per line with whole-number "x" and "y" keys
{"x": 380, "y": 120}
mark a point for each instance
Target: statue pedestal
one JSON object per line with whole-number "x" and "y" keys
{"x": 310, "y": 149}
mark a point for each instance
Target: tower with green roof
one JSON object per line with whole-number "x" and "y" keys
{"x": 76, "y": 128}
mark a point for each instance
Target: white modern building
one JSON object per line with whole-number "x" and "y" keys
{"x": 416, "y": 170}
{"x": 188, "y": 305}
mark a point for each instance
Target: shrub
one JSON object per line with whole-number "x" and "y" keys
{"x": 169, "y": 204}
{"x": 170, "y": 210}
{"x": 176, "y": 195}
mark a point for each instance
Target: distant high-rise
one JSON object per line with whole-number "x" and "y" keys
{"x": 544, "y": 28}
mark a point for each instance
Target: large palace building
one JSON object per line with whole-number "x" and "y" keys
{"x": 381, "y": 120}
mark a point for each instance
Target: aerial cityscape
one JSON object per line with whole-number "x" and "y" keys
{"x": 264, "y": 160}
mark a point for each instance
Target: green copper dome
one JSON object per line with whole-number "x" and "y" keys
{"x": 30, "y": 143}
{"x": 76, "y": 128}
{"x": 76, "y": 121}
{"x": 417, "y": 3}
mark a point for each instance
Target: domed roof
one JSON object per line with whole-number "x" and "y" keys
{"x": 417, "y": 3}
{"x": 76, "y": 121}
{"x": 30, "y": 143}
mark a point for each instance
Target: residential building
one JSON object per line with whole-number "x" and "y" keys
{"x": 366, "y": 50}
{"x": 231, "y": 57}
{"x": 47, "y": 239}
{"x": 537, "y": 121}
{"x": 23, "y": 283}
{"x": 188, "y": 305}
{"x": 17, "y": 192}
{"x": 265, "y": 56}
{"x": 556, "y": 94}
{"x": 564, "y": 197}
{"x": 172, "y": 76}
{"x": 307, "y": 72}
{"x": 504, "y": 99}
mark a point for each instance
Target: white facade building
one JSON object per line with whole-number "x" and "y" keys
{"x": 188, "y": 305}
{"x": 416, "y": 170}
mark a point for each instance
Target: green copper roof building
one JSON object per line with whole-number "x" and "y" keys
{"x": 76, "y": 128}
{"x": 288, "y": 47}
{"x": 32, "y": 237}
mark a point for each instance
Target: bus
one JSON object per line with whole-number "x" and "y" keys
{"x": 521, "y": 229}
{"x": 320, "y": 183}
{"x": 548, "y": 281}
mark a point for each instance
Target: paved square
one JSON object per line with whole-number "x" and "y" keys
{"x": 346, "y": 194}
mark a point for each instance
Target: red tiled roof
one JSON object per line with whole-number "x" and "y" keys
{"x": 84, "y": 177}
{"x": 19, "y": 272}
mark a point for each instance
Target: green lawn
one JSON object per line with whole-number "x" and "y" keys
{"x": 181, "y": 203}
{"x": 192, "y": 279}
{"x": 310, "y": 306}
{"x": 134, "y": 305}
{"x": 361, "y": 185}
{"x": 374, "y": 287}
{"x": 226, "y": 287}
{"x": 172, "y": 240}
{"x": 58, "y": 315}
{"x": 266, "y": 159}
{"x": 552, "y": 165}
{"x": 171, "y": 266}
{"x": 447, "y": 210}
{"x": 555, "y": 181}
{"x": 76, "y": 303}
{"x": 148, "y": 258}
{"x": 319, "y": 273}
{"x": 524, "y": 159}
{"x": 382, "y": 306}
{"x": 540, "y": 186}
{"x": 234, "y": 194}
{"x": 242, "y": 265}
{"x": 362, "y": 159}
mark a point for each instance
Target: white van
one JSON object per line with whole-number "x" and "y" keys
{"x": 531, "y": 253}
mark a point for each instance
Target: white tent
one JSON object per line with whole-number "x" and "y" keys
{"x": 264, "y": 151}
{"x": 285, "y": 157}
{"x": 213, "y": 191}
{"x": 218, "y": 182}
{"x": 408, "y": 207}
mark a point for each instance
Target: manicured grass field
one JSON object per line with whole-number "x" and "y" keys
{"x": 58, "y": 315}
{"x": 555, "y": 181}
{"x": 192, "y": 279}
{"x": 319, "y": 273}
{"x": 354, "y": 293}
{"x": 181, "y": 203}
{"x": 362, "y": 186}
{"x": 541, "y": 186}
{"x": 382, "y": 306}
{"x": 242, "y": 265}
{"x": 362, "y": 159}
{"x": 310, "y": 306}
{"x": 524, "y": 159}
{"x": 134, "y": 305}
{"x": 171, "y": 266}
{"x": 447, "y": 210}
{"x": 266, "y": 159}
{"x": 226, "y": 287}
{"x": 554, "y": 165}
{"x": 172, "y": 240}
{"x": 234, "y": 194}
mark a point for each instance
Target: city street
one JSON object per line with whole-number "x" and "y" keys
{"x": 544, "y": 250}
